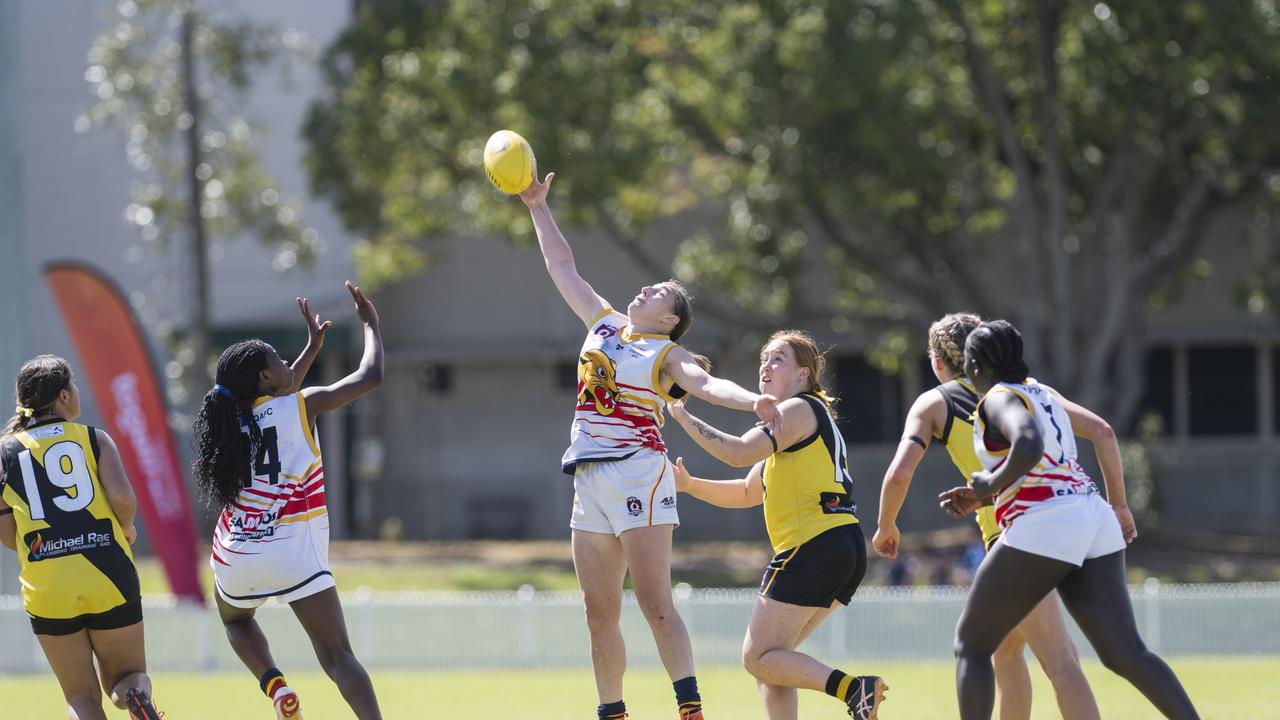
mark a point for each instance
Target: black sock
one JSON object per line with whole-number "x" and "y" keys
{"x": 612, "y": 711}
{"x": 270, "y": 681}
{"x": 687, "y": 697}
{"x": 839, "y": 685}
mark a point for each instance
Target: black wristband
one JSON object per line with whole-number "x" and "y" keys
{"x": 6, "y": 511}
{"x": 916, "y": 439}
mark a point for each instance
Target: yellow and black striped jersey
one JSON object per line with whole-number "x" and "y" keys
{"x": 962, "y": 402}
{"x": 72, "y": 551}
{"x": 807, "y": 487}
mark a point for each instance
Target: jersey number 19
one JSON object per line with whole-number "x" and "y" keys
{"x": 64, "y": 466}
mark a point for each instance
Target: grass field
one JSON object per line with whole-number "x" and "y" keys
{"x": 1241, "y": 689}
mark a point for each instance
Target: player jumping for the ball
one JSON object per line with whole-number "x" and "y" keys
{"x": 260, "y": 464}
{"x": 624, "y": 506}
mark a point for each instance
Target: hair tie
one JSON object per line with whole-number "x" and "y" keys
{"x": 24, "y": 411}
{"x": 224, "y": 391}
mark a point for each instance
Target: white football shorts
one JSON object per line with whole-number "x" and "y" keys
{"x": 1072, "y": 529}
{"x": 619, "y": 495}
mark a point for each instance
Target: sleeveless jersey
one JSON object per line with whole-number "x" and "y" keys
{"x": 72, "y": 552}
{"x": 282, "y": 512}
{"x": 962, "y": 402}
{"x": 620, "y": 400}
{"x": 1058, "y": 474}
{"x": 807, "y": 487}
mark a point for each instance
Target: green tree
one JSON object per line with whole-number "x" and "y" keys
{"x": 174, "y": 80}
{"x": 877, "y": 162}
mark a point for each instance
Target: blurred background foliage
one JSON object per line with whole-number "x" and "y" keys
{"x": 861, "y": 165}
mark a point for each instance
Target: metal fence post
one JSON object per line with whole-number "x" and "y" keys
{"x": 208, "y": 662}
{"x": 364, "y": 598}
{"x": 1151, "y": 592}
{"x": 838, "y": 629}
{"x": 527, "y": 644}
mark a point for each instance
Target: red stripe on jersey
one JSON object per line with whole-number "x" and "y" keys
{"x": 1054, "y": 476}
{"x": 622, "y": 443}
{"x": 238, "y": 552}
{"x": 304, "y": 504}
{"x": 645, "y": 416}
{"x": 246, "y": 508}
{"x": 262, "y": 493}
{"x": 1024, "y": 498}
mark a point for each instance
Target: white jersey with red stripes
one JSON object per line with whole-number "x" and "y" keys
{"x": 276, "y": 531}
{"x": 1057, "y": 475}
{"x": 620, "y": 400}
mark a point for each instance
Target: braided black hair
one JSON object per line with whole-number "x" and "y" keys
{"x": 226, "y": 435}
{"x": 997, "y": 345}
{"x": 37, "y": 386}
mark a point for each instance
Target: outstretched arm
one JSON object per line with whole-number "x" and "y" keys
{"x": 754, "y": 445}
{"x": 1088, "y": 425}
{"x": 366, "y": 377}
{"x": 925, "y": 421}
{"x": 682, "y": 367}
{"x": 1007, "y": 414}
{"x": 578, "y": 293}
{"x": 747, "y": 492}
{"x": 315, "y": 340}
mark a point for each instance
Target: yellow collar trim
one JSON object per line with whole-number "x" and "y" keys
{"x": 628, "y": 336}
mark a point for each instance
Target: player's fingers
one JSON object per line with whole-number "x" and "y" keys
{"x": 325, "y": 325}
{"x": 546, "y": 181}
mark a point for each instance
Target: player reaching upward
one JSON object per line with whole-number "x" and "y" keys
{"x": 801, "y": 475}
{"x": 67, "y": 507}
{"x": 945, "y": 413}
{"x": 260, "y": 465}
{"x": 1057, "y": 533}
{"x": 624, "y": 507}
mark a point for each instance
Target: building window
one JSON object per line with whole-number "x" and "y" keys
{"x": 566, "y": 375}
{"x": 1223, "y": 384}
{"x": 498, "y": 517}
{"x": 1275, "y": 390}
{"x": 435, "y": 379}
{"x": 1155, "y": 409}
{"x": 870, "y": 405}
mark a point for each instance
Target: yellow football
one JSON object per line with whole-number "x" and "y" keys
{"x": 508, "y": 160}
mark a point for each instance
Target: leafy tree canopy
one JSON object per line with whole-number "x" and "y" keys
{"x": 1053, "y": 162}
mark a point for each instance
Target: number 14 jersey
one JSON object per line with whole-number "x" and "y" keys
{"x": 280, "y": 519}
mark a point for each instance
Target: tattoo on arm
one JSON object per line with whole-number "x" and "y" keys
{"x": 706, "y": 430}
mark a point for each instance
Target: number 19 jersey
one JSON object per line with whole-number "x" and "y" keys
{"x": 273, "y": 539}
{"x": 72, "y": 552}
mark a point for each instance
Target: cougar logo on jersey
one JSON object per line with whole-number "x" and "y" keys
{"x": 596, "y": 373}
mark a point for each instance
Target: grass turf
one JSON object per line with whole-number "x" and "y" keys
{"x": 1221, "y": 688}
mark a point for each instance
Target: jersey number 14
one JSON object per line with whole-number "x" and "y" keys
{"x": 268, "y": 462}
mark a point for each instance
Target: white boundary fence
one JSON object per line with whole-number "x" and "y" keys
{"x": 542, "y": 630}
